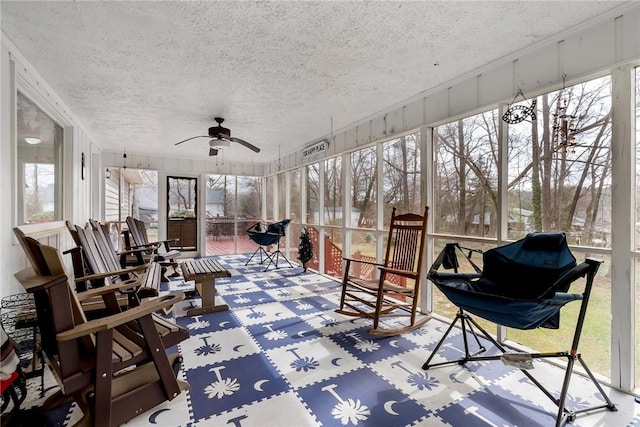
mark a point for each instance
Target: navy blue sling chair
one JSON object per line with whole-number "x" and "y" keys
{"x": 522, "y": 285}
{"x": 265, "y": 236}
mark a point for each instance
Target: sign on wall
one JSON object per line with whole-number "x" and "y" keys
{"x": 315, "y": 149}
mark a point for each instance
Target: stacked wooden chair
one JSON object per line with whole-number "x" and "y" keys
{"x": 159, "y": 251}
{"x": 101, "y": 265}
{"x": 382, "y": 296}
{"x": 114, "y": 367}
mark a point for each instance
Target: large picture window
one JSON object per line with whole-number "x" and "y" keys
{"x": 39, "y": 149}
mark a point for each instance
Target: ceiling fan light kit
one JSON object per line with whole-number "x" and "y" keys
{"x": 219, "y": 143}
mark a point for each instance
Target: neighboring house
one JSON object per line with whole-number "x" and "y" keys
{"x": 214, "y": 206}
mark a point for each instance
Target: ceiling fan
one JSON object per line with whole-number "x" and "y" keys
{"x": 220, "y": 138}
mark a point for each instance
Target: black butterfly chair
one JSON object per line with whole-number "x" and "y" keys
{"x": 266, "y": 237}
{"x": 524, "y": 285}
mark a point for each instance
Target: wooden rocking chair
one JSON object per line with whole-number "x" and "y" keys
{"x": 384, "y": 296}
{"x": 114, "y": 367}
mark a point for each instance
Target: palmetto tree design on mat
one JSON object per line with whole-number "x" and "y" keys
{"x": 420, "y": 380}
{"x": 328, "y": 320}
{"x": 242, "y": 300}
{"x": 272, "y": 335}
{"x": 221, "y": 387}
{"x": 303, "y": 363}
{"x": 283, "y": 293}
{"x": 198, "y": 324}
{"x": 348, "y": 411}
{"x": 207, "y": 348}
{"x": 364, "y": 346}
{"x": 255, "y": 314}
{"x": 303, "y": 306}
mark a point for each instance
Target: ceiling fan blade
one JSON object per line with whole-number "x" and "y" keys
{"x": 246, "y": 144}
{"x": 193, "y": 137}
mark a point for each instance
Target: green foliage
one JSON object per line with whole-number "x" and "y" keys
{"x": 187, "y": 213}
{"x": 41, "y": 217}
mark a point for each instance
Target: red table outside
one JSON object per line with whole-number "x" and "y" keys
{"x": 204, "y": 273}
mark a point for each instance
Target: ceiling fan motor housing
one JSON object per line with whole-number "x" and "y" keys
{"x": 219, "y": 132}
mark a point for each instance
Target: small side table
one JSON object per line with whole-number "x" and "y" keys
{"x": 204, "y": 272}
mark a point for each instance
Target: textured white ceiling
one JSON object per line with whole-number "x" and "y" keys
{"x": 149, "y": 74}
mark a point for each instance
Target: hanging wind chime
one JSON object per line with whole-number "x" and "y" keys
{"x": 519, "y": 113}
{"x": 564, "y": 125}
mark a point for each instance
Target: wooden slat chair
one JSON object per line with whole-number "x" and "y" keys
{"x": 382, "y": 296}
{"x": 160, "y": 251}
{"x": 114, "y": 367}
{"x": 85, "y": 265}
{"x": 127, "y": 257}
{"x": 100, "y": 267}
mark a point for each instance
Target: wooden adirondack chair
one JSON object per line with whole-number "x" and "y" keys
{"x": 383, "y": 296}
{"x": 114, "y": 367}
{"x": 101, "y": 262}
{"x": 160, "y": 251}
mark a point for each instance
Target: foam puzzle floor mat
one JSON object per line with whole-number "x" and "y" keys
{"x": 281, "y": 356}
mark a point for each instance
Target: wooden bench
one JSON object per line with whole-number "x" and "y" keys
{"x": 204, "y": 272}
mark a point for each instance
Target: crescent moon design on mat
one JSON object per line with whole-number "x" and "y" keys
{"x": 237, "y": 347}
{"x": 223, "y": 324}
{"x": 388, "y": 406}
{"x": 300, "y": 334}
{"x": 394, "y": 343}
{"x": 258, "y": 384}
{"x": 334, "y": 362}
{"x": 153, "y": 417}
{"x": 453, "y": 378}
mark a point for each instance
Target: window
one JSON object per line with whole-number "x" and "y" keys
{"x": 561, "y": 180}
{"x": 363, "y": 188}
{"x": 558, "y": 179}
{"x": 401, "y": 176}
{"x": 313, "y": 193}
{"x": 249, "y": 202}
{"x": 268, "y": 188}
{"x": 220, "y": 210}
{"x": 333, "y": 192}
{"x": 466, "y": 154}
{"x": 282, "y": 196}
{"x": 182, "y": 212}
{"x": 563, "y": 183}
{"x": 39, "y": 149}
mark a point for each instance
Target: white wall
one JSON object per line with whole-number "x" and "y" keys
{"x": 18, "y": 74}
